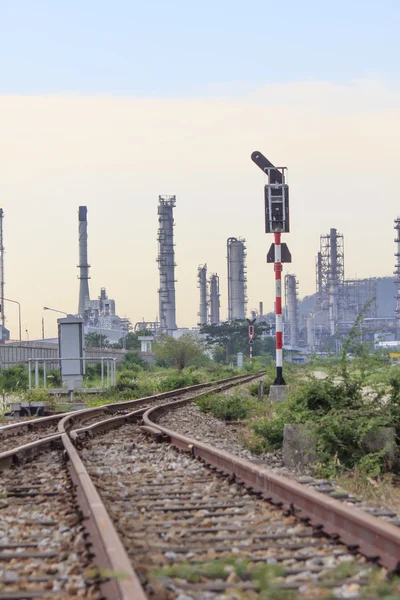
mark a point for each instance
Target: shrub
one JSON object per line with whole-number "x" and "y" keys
{"x": 14, "y": 379}
{"x": 270, "y": 431}
{"x": 125, "y": 381}
{"x": 226, "y": 408}
{"x": 178, "y": 381}
{"x": 54, "y": 378}
{"x": 133, "y": 361}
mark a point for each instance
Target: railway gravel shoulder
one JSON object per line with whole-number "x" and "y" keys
{"x": 43, "y": 547}
{"x": 188, "y": 419}
{"x": 173, "y": 513}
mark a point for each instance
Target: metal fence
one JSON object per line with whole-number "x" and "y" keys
{"x": 16, "y": 353}
{"x": 108, "y": 369}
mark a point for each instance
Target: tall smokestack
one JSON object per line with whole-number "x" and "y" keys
{"x": 214, "y": 299}
{"x": 261, "y": 309}
{"x": 236, "y": 279}
{"x": 166, "y": 264}
{"x": 202, "y": 278}
{"x": 83, "y": 266}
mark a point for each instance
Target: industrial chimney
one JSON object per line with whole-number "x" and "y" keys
{"x": 84, "y": 297}
{"x": 236, "y": 279}
{"x": 166, "y": 264}
{"x": 292, "y": 308}
{"x": 202, "y": 278}
{"x": 214, "y": 299}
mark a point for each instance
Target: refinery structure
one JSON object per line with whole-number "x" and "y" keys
{"x": 4, "y": 332}
{"x": 237, "y": 280}
{"x": 331, "y": 312}
{"x": 99, "y": 315}
{"x": 166, "y": 264}
{"x": 338, "y": 302}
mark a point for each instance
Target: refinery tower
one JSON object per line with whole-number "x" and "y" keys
{"x": 236, "y": 256}
{"x": 166, "y": 264}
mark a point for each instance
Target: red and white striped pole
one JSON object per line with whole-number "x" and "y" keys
{"x": 251, "y": 353}
{"x": 278, "y": 309}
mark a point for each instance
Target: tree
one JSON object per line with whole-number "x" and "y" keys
{"x": 178, "y": 352}
{"x": 131, "y": 341}
{"x": 233, "y": 337}
{"x": 96, "y": 340}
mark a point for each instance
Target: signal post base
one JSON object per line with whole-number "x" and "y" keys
{"x": 278, "y": 393}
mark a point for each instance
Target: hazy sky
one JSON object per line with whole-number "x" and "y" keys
{"x": 110, "y": 104}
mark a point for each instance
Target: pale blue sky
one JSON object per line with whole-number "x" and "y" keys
{"x": 110, "y": 104}
{"x": 187, "y": 48}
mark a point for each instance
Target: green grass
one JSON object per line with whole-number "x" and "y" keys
{"x": 264, "y": 577}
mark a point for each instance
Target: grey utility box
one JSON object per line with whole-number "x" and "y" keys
{"x": 71, "y": 343}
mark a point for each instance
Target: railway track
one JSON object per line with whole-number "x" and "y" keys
{"x": 27, "y": 431}
{"x": 56, "y": 538}
{"x": 202, "y": 523}
{"x": 191, "y": 532}
{"x": 185, "y": 534}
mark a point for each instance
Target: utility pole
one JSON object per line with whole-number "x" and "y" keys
{"x": 276, "y": 194}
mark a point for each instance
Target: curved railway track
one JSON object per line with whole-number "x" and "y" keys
{"x": 56, "y": 538}
{"x": 202, "y": 523}
{"x": 27, "y": 431}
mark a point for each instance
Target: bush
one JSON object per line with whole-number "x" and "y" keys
{"x": 133, "y": 361}
{"x": 226, "y": 408}
{"x": 270, "y": 431}
{"x": 54, "y": 378}
{"x": 126, "y": 381}
{"x": 178, "y": 381}
{"x": 93, "y": 370}
{"x": 14, "y": 379}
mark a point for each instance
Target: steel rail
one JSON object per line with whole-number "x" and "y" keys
{"x": 373, "y": 537}
{"x": 21, "y": 426}
{"x": 69, "y": 419}
{"x": 138, "y": 413}
{"x": 111, "y": 559}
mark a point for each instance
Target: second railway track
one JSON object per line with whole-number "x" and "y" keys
{"x": 27, "y": 431}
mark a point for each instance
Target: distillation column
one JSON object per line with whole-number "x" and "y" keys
{"x": 292, "y": 309}
{"x": 214, "y": 299}
{"x": 333, "y": 282}
{"x": 202, "y": 278}
{"x": 83, "y": 266}
{"x": 166, "y": 264}
{"x": 236, "y": 279}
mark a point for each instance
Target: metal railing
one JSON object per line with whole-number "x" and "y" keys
{"x": 108, "y": 369}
